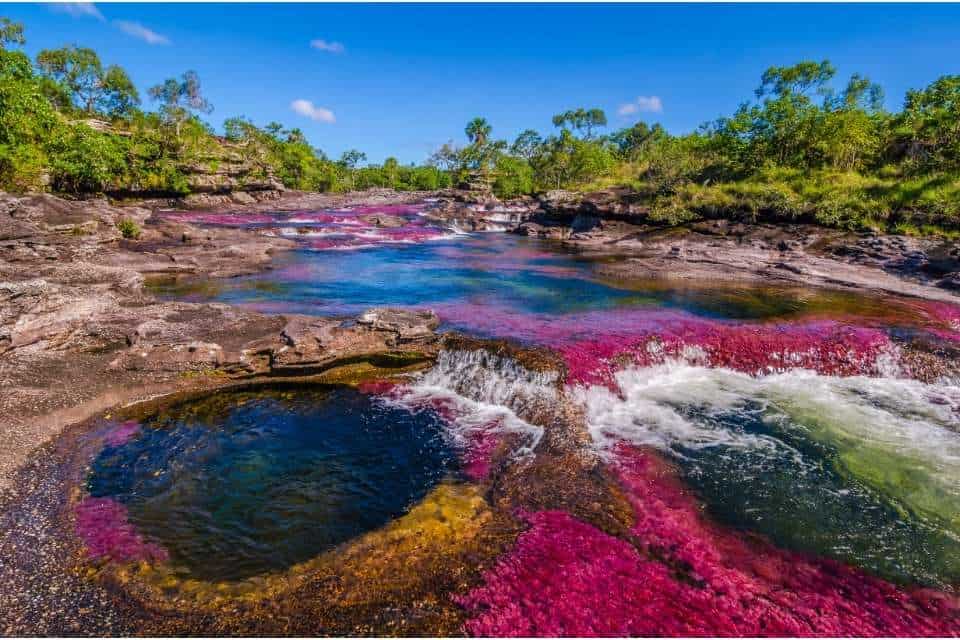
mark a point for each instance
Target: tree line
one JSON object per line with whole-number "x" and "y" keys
{"x": 70, "y": 123}
{"x": 803, "y": 147}
{"x": 800, "y": 149}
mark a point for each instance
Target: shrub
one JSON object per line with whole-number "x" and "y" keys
{"x": 128, "y": 228}
{"x": 514, "y": 177}
{"x": 86, "y": 161}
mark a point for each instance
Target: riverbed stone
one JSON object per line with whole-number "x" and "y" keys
{"x": 408, "y": 325}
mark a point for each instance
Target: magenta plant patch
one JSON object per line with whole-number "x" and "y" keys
{"x": 596, "y": 344}
{"x": 333, "y": 229}
{"x": 682, "y": 575}
{"x": 122, "y": 433}
{"x": 107, "y": 533}
{"x": 826, "y": 347}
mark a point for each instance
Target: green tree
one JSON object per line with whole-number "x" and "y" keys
{"x": 348, "y": 163}
{"x": 179, "y": 97}
{"x": 478, "y": 131}
{"x": 86, "y": 161}
{"x": 482, "y": 153}
{"x": 929, "y": 127}
{"x": 851, "y": 129}
{"x": 581, "y": 120}
{"x": 391, "y": 172}
{"x": 11, "y": 33}
{"x": 512, "y": 177}
{"x": 783, "y": 128}
{"x": 633, "y": 141}
{"x": 28, "y": 121}
{"x": 91, "y": 87}
{"x": 352, "y": 158}
{"x": 797, "y": 80}
{"x": 565, "y": 161}
{"x": 119, "y": 97}
{"x": 447, "y": 158}
{"x": 526, "y": 144}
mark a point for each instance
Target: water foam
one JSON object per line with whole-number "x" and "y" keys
{"x": 899, "y": 436}
{"x": 480, "y": 392}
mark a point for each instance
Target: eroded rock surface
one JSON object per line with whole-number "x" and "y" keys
{"x": 616, "y": 222}
{"x": 79, "y": 334}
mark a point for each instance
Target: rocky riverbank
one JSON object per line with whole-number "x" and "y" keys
{"x": 81, "y": 337}
{"x": 76, "y": 326}
{"x": 78, "y": 333}
{"x": 616, "y": 223}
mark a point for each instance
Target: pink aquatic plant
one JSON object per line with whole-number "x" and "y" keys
{"x": 596, "y": 344}
{"x": 343, "y": 229}
{"x": 826, "y": 347}
{"x": 122, "y": 433}
{"x": 377, "y": 387}
{"x": 947, "y": 316}
{"x": 478, "y": 452}
{"x": 107, "y": 533}
{"x": 682, "y": 575}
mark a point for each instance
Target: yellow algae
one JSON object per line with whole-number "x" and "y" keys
{"x": 425, "y": 546}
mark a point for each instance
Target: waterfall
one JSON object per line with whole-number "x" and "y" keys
{"x": 482, "y": 392}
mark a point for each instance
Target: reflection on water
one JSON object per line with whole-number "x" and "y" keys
{"x": 242, "y": 483}
{"x": 512, "y": 275}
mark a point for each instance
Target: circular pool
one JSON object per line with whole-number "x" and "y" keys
{"x": 241, "y": 483}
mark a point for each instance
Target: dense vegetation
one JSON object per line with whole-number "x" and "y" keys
{"x": 801, "y": 149}
{"x": 69, "y": 123}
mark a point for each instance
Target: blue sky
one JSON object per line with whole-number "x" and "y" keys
{"x": 403, "y": 79}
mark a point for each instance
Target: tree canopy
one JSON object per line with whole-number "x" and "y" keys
{"x": 89, "y": 85}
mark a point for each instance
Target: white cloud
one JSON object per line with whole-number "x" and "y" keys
{"x": 308, "y": 109}
{"x": 651, "y": 104}
{"x": 327, "y": 45}
{"x": 77, "y": 9}
{"x": 140, "y": 32}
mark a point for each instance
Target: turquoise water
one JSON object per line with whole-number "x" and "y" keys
{"x": 498, "y": 272}
{"x": 243, "y": 483}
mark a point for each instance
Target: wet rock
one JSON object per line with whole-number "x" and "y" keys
{"x": 943, "y": 259}
{"x": 548, "y": 231}
{"x": 583, "y": 223}
{"x": 384, "y": 220}
{"x": 559, "y": 199}
{"x": 312, "y": 345}
{"x": 242, "y": 197}
{"x": 408, "y": 325}
{"x": 189, "y": 356}
{"x": 951, "y": 282}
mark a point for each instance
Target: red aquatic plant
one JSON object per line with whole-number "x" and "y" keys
{"x": 947, "y": 317}
{"x": 478, "y": 452}
{"x": 377, "y": 387}
{"x": 649, "y": 336}
{"x": 682, "y": 575}
{"x": 108, "y": 534}
{"x": 345, "y": 228}
{"x": 826, "y": 347}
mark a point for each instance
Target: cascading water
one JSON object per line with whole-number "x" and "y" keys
{"x": 860, "y": 469}
{"x": 483, "y": 396}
